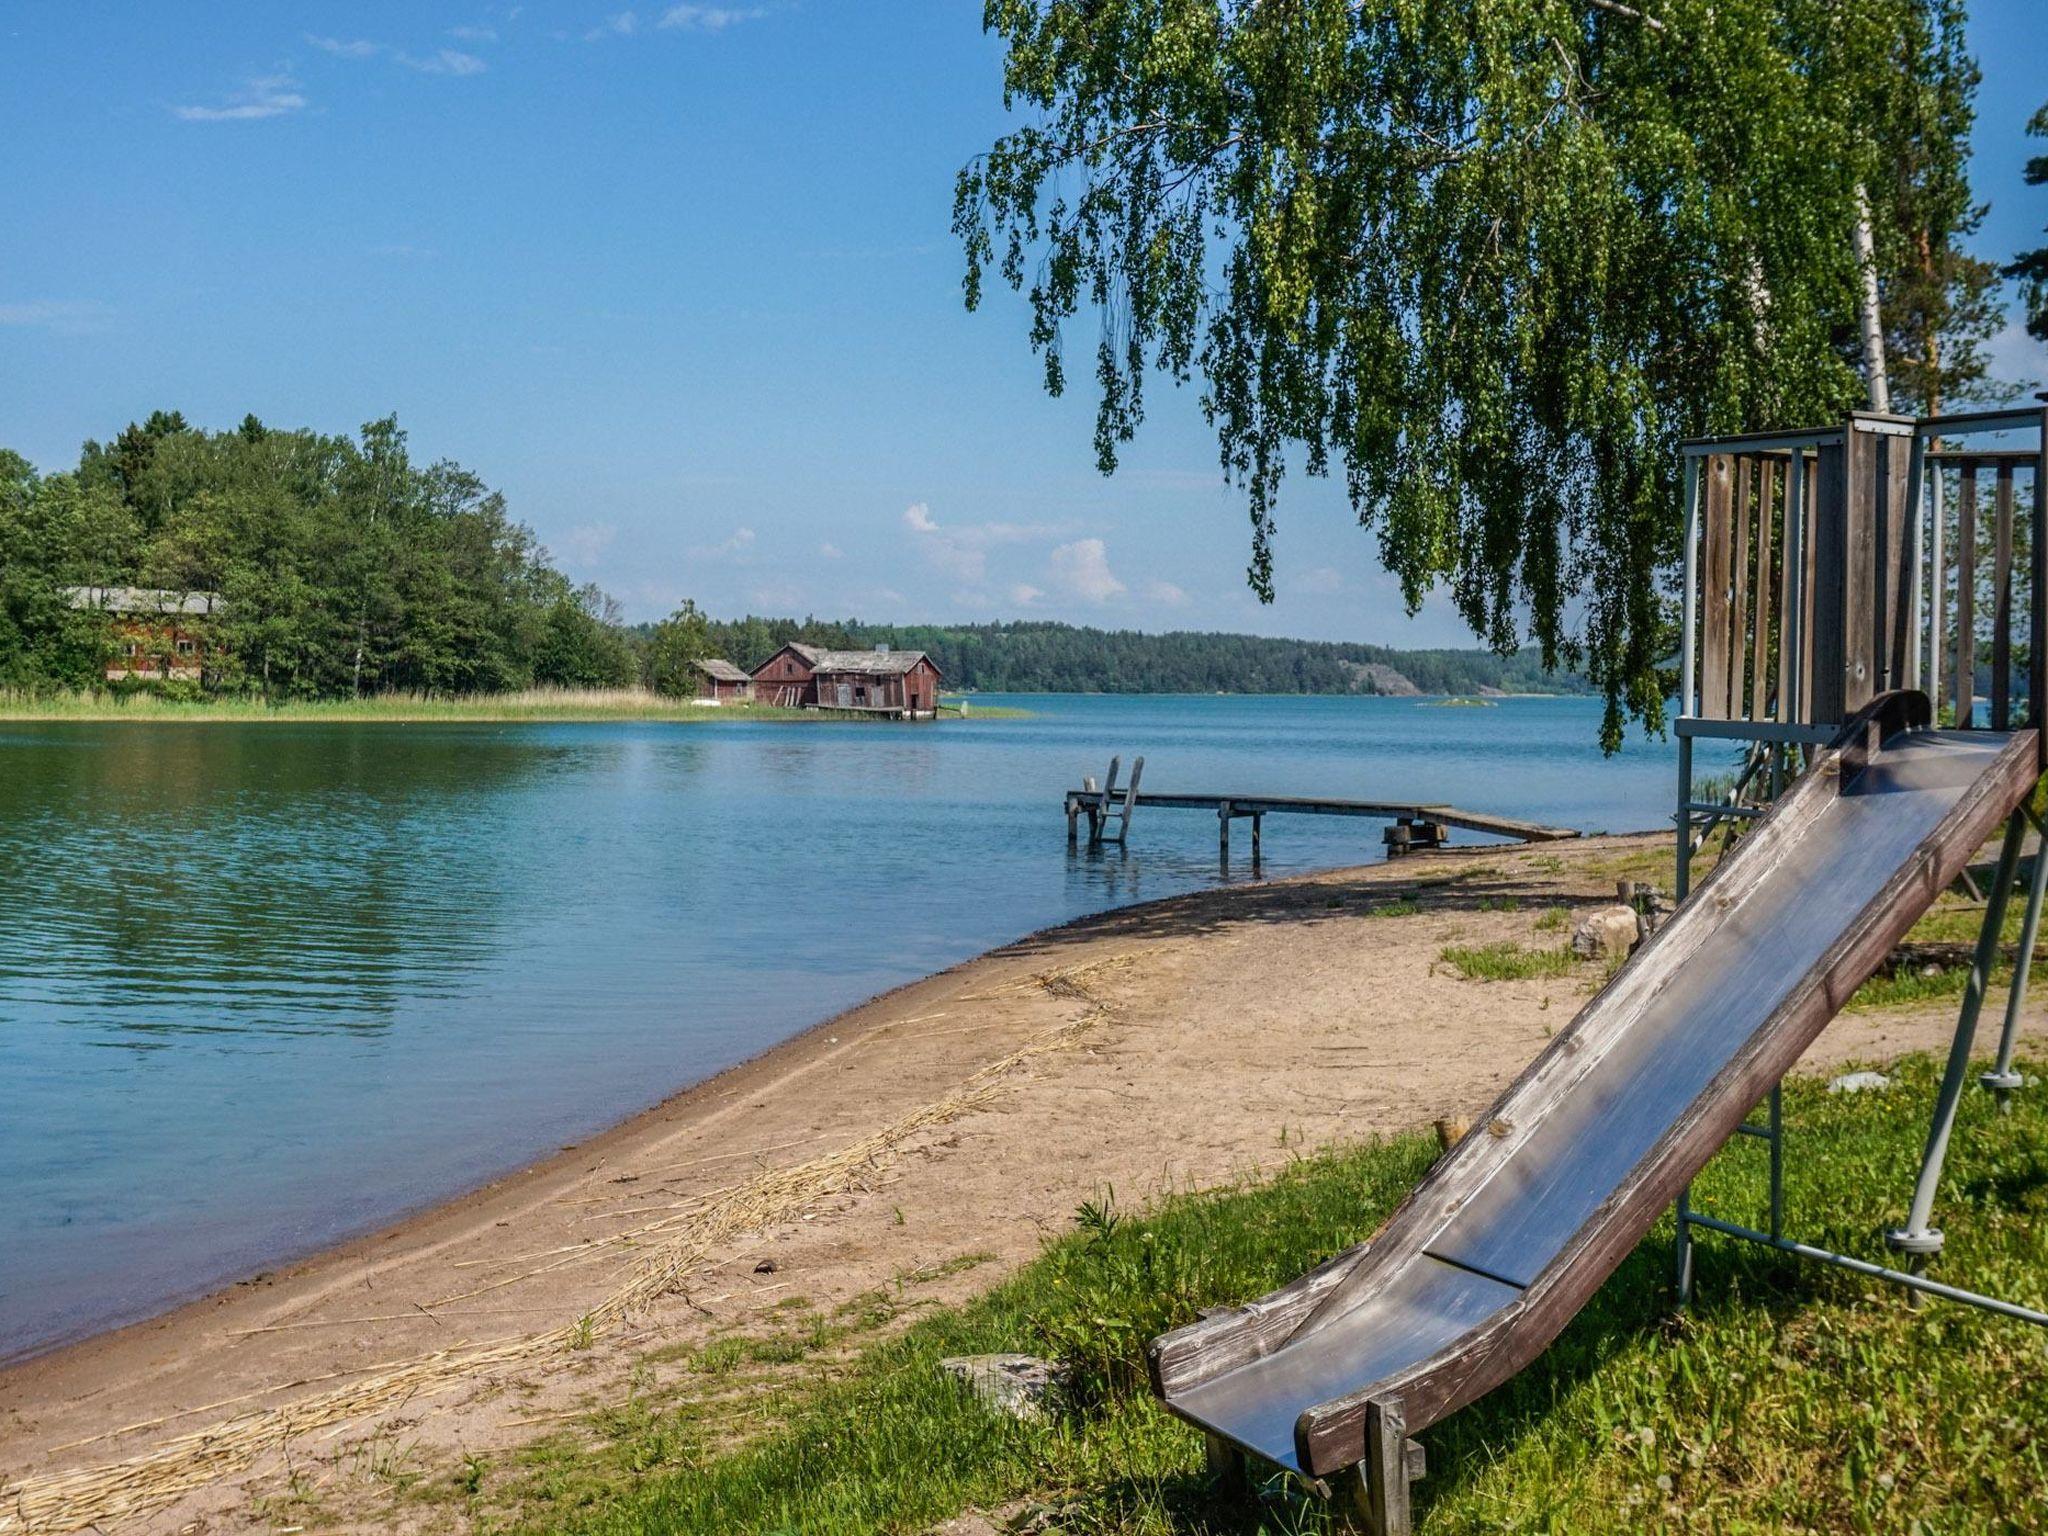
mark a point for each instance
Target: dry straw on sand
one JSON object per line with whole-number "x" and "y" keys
{"x": 104, "y": 1496}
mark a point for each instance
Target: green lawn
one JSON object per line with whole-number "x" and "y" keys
{"x": 1789, "y": 1398}
{"x": 562, "y": 705}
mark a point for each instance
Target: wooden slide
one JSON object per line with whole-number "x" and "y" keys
{"x": 1515, "y": 1228}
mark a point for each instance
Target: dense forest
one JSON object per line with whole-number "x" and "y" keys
{"x": 347, "y": 568}
{"x": 1065, "y": 658}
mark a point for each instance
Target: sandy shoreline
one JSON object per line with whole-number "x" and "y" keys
{"x": 923, "y": 1140}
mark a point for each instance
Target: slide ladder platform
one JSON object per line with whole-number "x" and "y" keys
{"x": 1512, "y": 1231}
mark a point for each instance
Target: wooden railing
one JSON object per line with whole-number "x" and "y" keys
{"x": 1823, "y": 567}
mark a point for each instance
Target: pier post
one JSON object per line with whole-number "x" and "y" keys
{"x": 1223, "y": 830}
{"x": 1258, "y": 819}
{"x": 1073, "y": 821}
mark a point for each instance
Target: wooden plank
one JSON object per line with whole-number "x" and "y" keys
{"x": 1714, "y": 635}
{"x": 2001, "y": 604}
{"x": 1810, "y": 515}
{"x": 1862, "y": 599}
{"x": 1964, "y": 698}
{"x": 1308, "y": 805}
{"x": 1829, "y": 628}
{"x": 1937, "y": 572}
{"x": 1760, "y": 651}
{"x": 1740, "y": 511}
{"x": 1892, "y": 469}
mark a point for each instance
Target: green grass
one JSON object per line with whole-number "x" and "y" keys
{"x": 1552, "y": 920}
{"x": 1506, "y": 961}
{"x": 1788, "y": 1398}
{"x": 563, "y": 705}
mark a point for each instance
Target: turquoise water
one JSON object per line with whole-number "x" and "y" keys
{"x": 264, "y": 986}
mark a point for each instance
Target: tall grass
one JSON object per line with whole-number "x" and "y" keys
{"x": 1789, "y": 1398}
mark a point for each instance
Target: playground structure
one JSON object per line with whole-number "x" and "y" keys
{"x": 1819, "y": 573}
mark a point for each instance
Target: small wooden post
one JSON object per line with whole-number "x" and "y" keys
{"x": 1379, "y": 1484}
{"x": 1073, "y": 821}
{"x": 1258, "y": 819}
{"x": 1223, "y": 830}
{"x": 1226, "y": 1466}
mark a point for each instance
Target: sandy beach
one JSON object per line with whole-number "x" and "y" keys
{"x": 923, "y": 1142}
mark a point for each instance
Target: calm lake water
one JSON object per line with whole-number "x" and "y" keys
{"x": 264, "y": 986}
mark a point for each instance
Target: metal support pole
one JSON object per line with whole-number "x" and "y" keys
{"x": 1777, "y": 1134}
{"x": 1681, "y": 1271}
{"x": 1684, "y": 816}
{"x": 1916, "y": 1239}
{"x": 2001, "y": 1079}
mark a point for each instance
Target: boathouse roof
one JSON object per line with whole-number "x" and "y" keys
{"x": 880, "y": 661}
{"x": 153, "y": 600}
{"x": 722, "y": 671}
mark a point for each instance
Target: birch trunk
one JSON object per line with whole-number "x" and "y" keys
{"x": 1872, "y": 321}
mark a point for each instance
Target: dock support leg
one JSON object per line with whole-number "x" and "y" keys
{"x": 1073, "y": 822}
{"x": 2001, "y": 1079}
{"x": 1918, "y": 1241}
{"x": 1257, "y": 820}
{"x": 1223, "y": 831}
{"x": 1378, "y": 1486}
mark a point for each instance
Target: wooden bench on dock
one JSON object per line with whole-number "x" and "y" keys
{"x": 1412, "y": 825}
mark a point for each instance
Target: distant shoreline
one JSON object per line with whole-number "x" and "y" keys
{"x": 531, "y": 706}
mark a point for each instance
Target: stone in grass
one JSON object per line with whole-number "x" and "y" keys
{"x": 1858, "y": 1082}
{"x": 1605, "y": 931}
{"x": 1022, "y": 1386}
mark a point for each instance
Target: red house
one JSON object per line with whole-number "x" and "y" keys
{"x": 882, "y": 681}
{"x": 157, "y": 636}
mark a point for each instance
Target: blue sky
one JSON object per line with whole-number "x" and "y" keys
{"x": 677, "y": 279}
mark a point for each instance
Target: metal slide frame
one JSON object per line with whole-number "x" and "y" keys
{"x": 1917, "y": 1241}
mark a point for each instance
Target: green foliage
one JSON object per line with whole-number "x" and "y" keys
{"x": 1492, "y": 259}
{"x": 2031, "y": 267}
{"x": 674, "y": 646}
{"x": 1787, "y": 1397}
{"x": 347, "y": 568}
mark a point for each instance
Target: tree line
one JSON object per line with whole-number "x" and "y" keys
{"x": 1043, "y": 657}
{"x": 347, "y": 567}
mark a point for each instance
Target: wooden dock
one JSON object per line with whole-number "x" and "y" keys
{"x": 1412, "y": 825}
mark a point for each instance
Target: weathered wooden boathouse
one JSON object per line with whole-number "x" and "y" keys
{"x": 903, "y": 684}
{"x": 721, "y": 682}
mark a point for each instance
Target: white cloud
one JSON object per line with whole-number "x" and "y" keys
{"x": 2015, "y": 357}
{"x": 1165, "y": 592}
{"x": 474, "y": 34}
{"x": 830, "y": 551}
{"x": 1082, "y": 568}
{"x": 961, "y": 552}
{"x": 584, "y": 546}
{"x": 786, "y": 595}
{"x": 619, "y": 24}
{"x": 265, "y": 96}
{"x": 708, "y": 18}
{"x": 443, "y": 61}
{"x": 734, "y": 546}
{"x": 345, "y": 48}
{"x": 1023, "y": 594}
{"x": 1321, "y": 581}
{"x": 67, "y": 317}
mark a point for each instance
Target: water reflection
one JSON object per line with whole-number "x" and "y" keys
{"x": 261, "y": 986}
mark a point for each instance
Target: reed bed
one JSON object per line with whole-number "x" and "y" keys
{"x": 134, "y": 1487}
